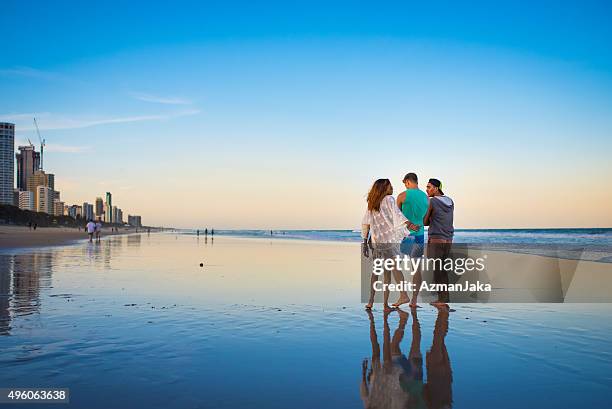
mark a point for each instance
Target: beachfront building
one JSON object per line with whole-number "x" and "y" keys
{"x": 134, "y": 221}
{"x": 58, "y": 207}
{"x": 38, "y": 178}
{"x": 44, "y": 199}
{"x": 28, "y": 162}
{"x": 108, "y": 208}
{"x": 7, "y": 163}
{"x": 75, "y": 211}
{"x": 88, "y": 211}
{"x": 107, "y": 214}
{"x": 119, "y": 216}
{"x": 99, "y": 208}
{"x": 26, "y": 200}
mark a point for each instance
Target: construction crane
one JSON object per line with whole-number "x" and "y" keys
{"x": 42, "y": 144}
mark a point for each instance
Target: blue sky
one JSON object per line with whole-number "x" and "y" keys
{"x": 282, "y": 114}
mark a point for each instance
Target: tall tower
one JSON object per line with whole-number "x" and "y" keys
{"x": 28, "y": 162}
{"x": 7, "y": 162}
{"x": 99, "y": 207}
{"x": 109, "y": 207}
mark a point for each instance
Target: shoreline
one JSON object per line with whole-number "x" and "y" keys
{"x": 21, "y": 237}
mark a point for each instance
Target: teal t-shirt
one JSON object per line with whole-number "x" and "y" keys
{"x": 414, "y": 208}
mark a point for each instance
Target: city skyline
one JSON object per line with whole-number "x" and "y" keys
{"x": 282, "y": 116}
{"x": 29, "y": 187}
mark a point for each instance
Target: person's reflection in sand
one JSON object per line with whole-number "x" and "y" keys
{"x": 438, "y": 390}
{"x": 368, "y": 378}
{"x": 398, "y": 382}
{"x": 381, "y": 386}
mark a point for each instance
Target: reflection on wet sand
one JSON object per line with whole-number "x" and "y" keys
{"x": 5, "y": 290}
{"x": 134, "y": 240}
{"x": 23, "y": 276}
{"x": 398, "y": 382}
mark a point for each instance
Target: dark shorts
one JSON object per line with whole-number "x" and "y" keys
{"x": 413, "y": 246}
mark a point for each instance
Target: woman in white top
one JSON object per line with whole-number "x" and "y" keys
{"x": 385, "y": 226}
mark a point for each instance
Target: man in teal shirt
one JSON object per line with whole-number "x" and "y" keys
{"x": 414, "y": 204}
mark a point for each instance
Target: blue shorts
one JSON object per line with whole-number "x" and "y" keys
{"x": 413, "y": 246}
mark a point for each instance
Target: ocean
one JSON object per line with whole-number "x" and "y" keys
{"x": 580, "y": 236}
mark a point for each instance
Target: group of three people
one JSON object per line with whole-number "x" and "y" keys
{"x": 391, "y": 227}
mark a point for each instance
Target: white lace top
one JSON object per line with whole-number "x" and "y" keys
{"x": 387, "y": 225}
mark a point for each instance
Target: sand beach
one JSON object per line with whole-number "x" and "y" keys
{"x": 22, "y": 236}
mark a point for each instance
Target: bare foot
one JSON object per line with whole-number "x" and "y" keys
{"x": 387, "y": 308}
{"x": 440, "y": 305}
{"x": 402, "y": 300}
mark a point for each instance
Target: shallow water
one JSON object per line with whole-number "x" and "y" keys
{"x": 136, "y": 322}
{"x": 585, "y": 237}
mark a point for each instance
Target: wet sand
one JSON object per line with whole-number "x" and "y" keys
{"x": 135, "y": 321}
{"x": 22, "y": 236}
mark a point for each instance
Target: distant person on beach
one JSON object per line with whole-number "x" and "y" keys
{"x": 98, "y": 229}
{"x": 384, "y": 226}
{"x": 212, "y": 232}
{"x": 91, "y": 229}
{"x": 198, "y": 233}
{"x": 206, "y": 232}
{"x": 439, "y": 218}
{"x": 413, "y": 203}
{"x": 35, "y": 226}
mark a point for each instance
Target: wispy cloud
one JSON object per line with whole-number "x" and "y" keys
{"x": 48, "y": 121}
{"x": 28, "y": 72}
{"x": 160, "y": 99}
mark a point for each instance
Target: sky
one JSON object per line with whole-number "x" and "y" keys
{"x": 282, "y": 114}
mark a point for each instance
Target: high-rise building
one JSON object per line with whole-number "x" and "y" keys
{"x": 58, "y": 207}
{"x": 134, "y": 221}
{"x": 51, "y": 180}
{"x": 28, "y": 162}
{"x": 107, "y": 213}
{"x": 7, "y": 162}
{"x": 119, "y": 216}
{"x": 99, "y": 208}
{"x": 108, "y": 209}
{"x": 75, "y": 211}
{"x": 88, "y": 211}
{"x": 38, "y": 178}
{"x": 44, "y": 199}
{"x": 26, "y": 200}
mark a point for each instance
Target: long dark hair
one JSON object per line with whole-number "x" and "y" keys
{"x": 379, "y": 190}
